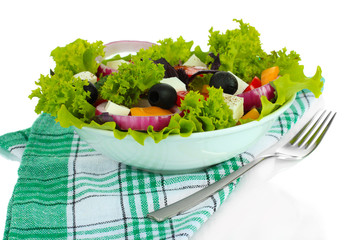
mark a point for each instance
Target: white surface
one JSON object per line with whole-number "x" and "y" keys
{"x": 315, "y": 199}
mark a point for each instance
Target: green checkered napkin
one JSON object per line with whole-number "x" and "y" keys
{"x": 67, "y": 190}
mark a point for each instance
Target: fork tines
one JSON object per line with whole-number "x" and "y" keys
{"x": 314, "y": 130}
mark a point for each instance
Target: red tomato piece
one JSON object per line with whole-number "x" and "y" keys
{"x": 180, "y": 96}
{"x": 255, "y": 83}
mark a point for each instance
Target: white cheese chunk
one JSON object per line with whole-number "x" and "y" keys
{"x": 176, "y": 83}
{"x": 115, "y": 64}
{"x": 194, "y": 61}
{"x": 86, "y": 76}
{"x": 115, "y": 109}
{"x": 236, "y": 104}
{"x": 241, "y": 84}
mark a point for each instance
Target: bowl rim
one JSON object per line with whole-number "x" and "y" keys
{"x": 218, "y": 132}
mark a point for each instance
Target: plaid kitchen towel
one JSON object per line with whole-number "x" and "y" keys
{"x": 67, "y": 190}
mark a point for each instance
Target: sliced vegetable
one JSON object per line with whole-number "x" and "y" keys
{"x": 105, "y": 70}
{"x": 190, "y": 71}
{"x": 252, "y": 114}
{"x": 180, "y": 96}
{"x": 269, "y": 74}
{"x": 204, "y": 89}
{"x": 252, "y": 98}
{"x": 255, "y": 83}
{"x": 149, "y": 111}
{"x": 120, "y": 47}
{"x": 140, "y": 123}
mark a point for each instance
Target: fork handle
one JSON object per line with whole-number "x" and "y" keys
{"x": 199, "y": 196}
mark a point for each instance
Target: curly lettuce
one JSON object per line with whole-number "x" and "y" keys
{"x": 173, "y": 51}
{"x": 239, "y": 50}
{"x": 201, "y": 114}
{"x": 62, "y": 89}
{"x": 125, "y": 86}
{"x": 78, "y": 56}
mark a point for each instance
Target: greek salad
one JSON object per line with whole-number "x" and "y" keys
{"x": 171, "y": 87}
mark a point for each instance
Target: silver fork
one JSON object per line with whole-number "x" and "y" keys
{"x": 301, "y": 145}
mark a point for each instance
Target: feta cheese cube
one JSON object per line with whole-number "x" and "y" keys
{"x": 236, "y": 104}
{"x": 176, "y": 83}
{"x": 86, "y": 76}
{"x": 194, "y": 61}
{"x": 115, "y": 109}
{"x": 115, "y": 64}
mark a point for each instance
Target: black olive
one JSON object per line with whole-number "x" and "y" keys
{"x": 162, "y": 95}
{"x": 225, "y": 80}
{"x": 93, "y": 93}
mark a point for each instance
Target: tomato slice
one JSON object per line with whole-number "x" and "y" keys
{"x": 180, "y": 96}
{"x": 255, "y": 83}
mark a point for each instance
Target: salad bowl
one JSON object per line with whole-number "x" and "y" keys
{"x": 176, "y": 154}
{"x": 101, "y": 90}
{"x": 167, "y": 151}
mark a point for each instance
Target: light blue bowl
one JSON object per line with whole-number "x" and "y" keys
{"x": 177, "y": 154}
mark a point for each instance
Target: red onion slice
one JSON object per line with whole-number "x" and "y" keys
{"x": 252, "y": 98}
{"x": 104, "y": 70}
{"x": 119, "y": 47}
{"x": 140, "y": 123}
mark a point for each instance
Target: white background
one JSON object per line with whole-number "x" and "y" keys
{"x": 314, "y": 199}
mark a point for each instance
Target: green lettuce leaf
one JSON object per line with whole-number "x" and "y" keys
{"x": 288, "y": 85}
{"x": 204, "y": 115}
{"x": 62, "y": 89}
{"x": 239, "y": 50}
{"x": 126, "y": 86}
{"x": 78, "y": 56}
{"x": 173, "y": 51}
